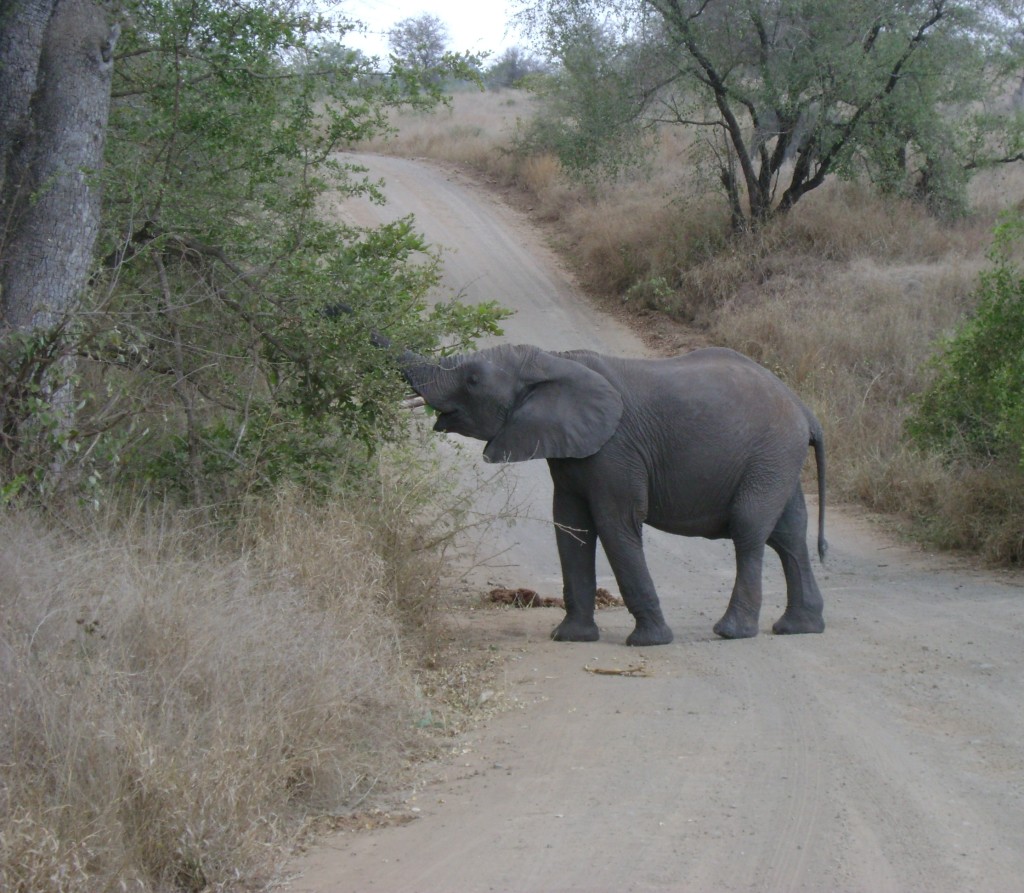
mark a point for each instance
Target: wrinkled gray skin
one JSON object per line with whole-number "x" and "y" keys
{"x": 706, "y": 444}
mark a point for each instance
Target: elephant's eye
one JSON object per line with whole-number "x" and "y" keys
{"x": 473, "y": 379}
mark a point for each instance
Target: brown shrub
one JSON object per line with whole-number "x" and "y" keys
{"x": 948, "y": 505}
{"x": 176, "y": 699}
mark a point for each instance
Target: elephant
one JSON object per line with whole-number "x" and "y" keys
{"x": 708, "y": 443}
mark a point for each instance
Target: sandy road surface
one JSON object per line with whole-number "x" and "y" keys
{"x": 884, "y": 755}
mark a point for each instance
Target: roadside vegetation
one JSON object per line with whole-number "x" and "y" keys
{"x": 220, "y": 548}
{"x": 221, "y": 544}
{"x": 181, "y": 698}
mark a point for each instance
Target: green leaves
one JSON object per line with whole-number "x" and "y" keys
{"x": 589, "y": 116}
{"x": 975, "y": 406}
{"x": 222, "y": 256}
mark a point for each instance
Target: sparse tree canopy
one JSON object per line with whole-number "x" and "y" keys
{"x": 511, "y": 68}
{"x": 419, "y": 42}
{"x": 782, "y": 93}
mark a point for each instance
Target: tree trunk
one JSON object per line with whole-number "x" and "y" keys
{"x": 55, "y": 75}
{"x": 22, "y": 25}
{"x": 54, "y": 102}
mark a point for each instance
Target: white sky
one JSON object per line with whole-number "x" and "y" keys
{"x": 473, "y": 25}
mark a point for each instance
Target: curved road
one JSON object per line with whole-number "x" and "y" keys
{"x": 884, "y": 755}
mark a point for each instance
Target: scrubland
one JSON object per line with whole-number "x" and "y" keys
{"x": 847, "y": 298}
{"x": 179, "y": 697}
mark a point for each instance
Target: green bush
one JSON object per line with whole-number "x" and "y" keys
{"x": 587, "y": 117}
{"x": 208, "y": 358}
{"x": 975, "y": 406}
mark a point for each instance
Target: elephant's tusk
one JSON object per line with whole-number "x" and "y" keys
{"x": 413, "y": 402}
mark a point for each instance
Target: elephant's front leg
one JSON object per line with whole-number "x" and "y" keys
{"x": 577, "y": 548}
{"x": 623, "y": 544}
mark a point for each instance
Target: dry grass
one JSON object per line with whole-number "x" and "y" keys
{"x": 846, "y": 298}
{"x": 176, "y": 700}
{"x": 474, "y": 129}
{"x": 849, "y": 310}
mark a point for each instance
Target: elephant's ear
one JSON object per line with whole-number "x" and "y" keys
{"x": 565, "y": 410}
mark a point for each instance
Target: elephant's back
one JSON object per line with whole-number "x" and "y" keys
{"x": 714, "y": 393}
{"x": 716, "y": 360}
{"x": 719, "y": 375}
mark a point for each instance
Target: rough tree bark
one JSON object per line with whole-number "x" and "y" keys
{"x": 54, "y": 102}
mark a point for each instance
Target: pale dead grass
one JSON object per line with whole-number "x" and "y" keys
{"x": 475, "y": 129}
{"x": 851, "y": 342}
{"x": 551, "y": 196}
{"x": 177, "y": 699}
{"x": 627, "y": 239}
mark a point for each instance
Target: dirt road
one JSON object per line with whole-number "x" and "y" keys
{"x": 884, "y": 755}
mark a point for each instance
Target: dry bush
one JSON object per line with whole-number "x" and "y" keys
{"x": 541, "y": 174}
{"x": 177, "y": 699}
{"x": 853, "y": 342}
{"x": 952, "y": 506}
{"x": 843, "y": 221}
{"x": 626, "y": 240}
{"x": 854, "y": 334}
{"x": 474, "y": 129}
{"x": 551, "y": 196}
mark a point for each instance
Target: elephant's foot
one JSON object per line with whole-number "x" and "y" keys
{"x": 650, "y": 633}
{"x": 575, "y": 630}
{"x": 795, "y": 622}
{"x": 734, "y": 626}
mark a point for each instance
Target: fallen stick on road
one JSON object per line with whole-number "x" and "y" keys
{"x": 638, "y": 670}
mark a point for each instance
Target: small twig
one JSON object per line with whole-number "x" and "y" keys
{"x": 637, "y": 670}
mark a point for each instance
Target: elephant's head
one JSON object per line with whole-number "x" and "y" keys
{"x": 524, "y": 402}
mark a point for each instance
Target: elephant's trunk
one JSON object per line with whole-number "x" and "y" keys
{"x": 429, "y": 378}
{"x": 418, "y": 370}
{"x": 422, "y": 373}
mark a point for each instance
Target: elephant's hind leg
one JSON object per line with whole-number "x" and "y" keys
{"x": 804, "y": 604}
{"x": 740, "y": 619}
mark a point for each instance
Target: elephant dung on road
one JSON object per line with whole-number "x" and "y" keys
{"x": 705, "y": 444}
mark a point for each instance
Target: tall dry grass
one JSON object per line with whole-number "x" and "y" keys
{"x": 475, "y": 128}
{"x": 846, "y": 298}
{"x": 177, "y": 699}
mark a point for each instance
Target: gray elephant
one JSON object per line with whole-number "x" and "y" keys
{"x": 706, "y": 444}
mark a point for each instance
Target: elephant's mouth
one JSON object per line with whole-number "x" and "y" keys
{"x": 455, "y": 422}
{"x": 446, "y": 421}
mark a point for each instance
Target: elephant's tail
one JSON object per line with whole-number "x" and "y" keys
{"x": 818, "y": 442}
